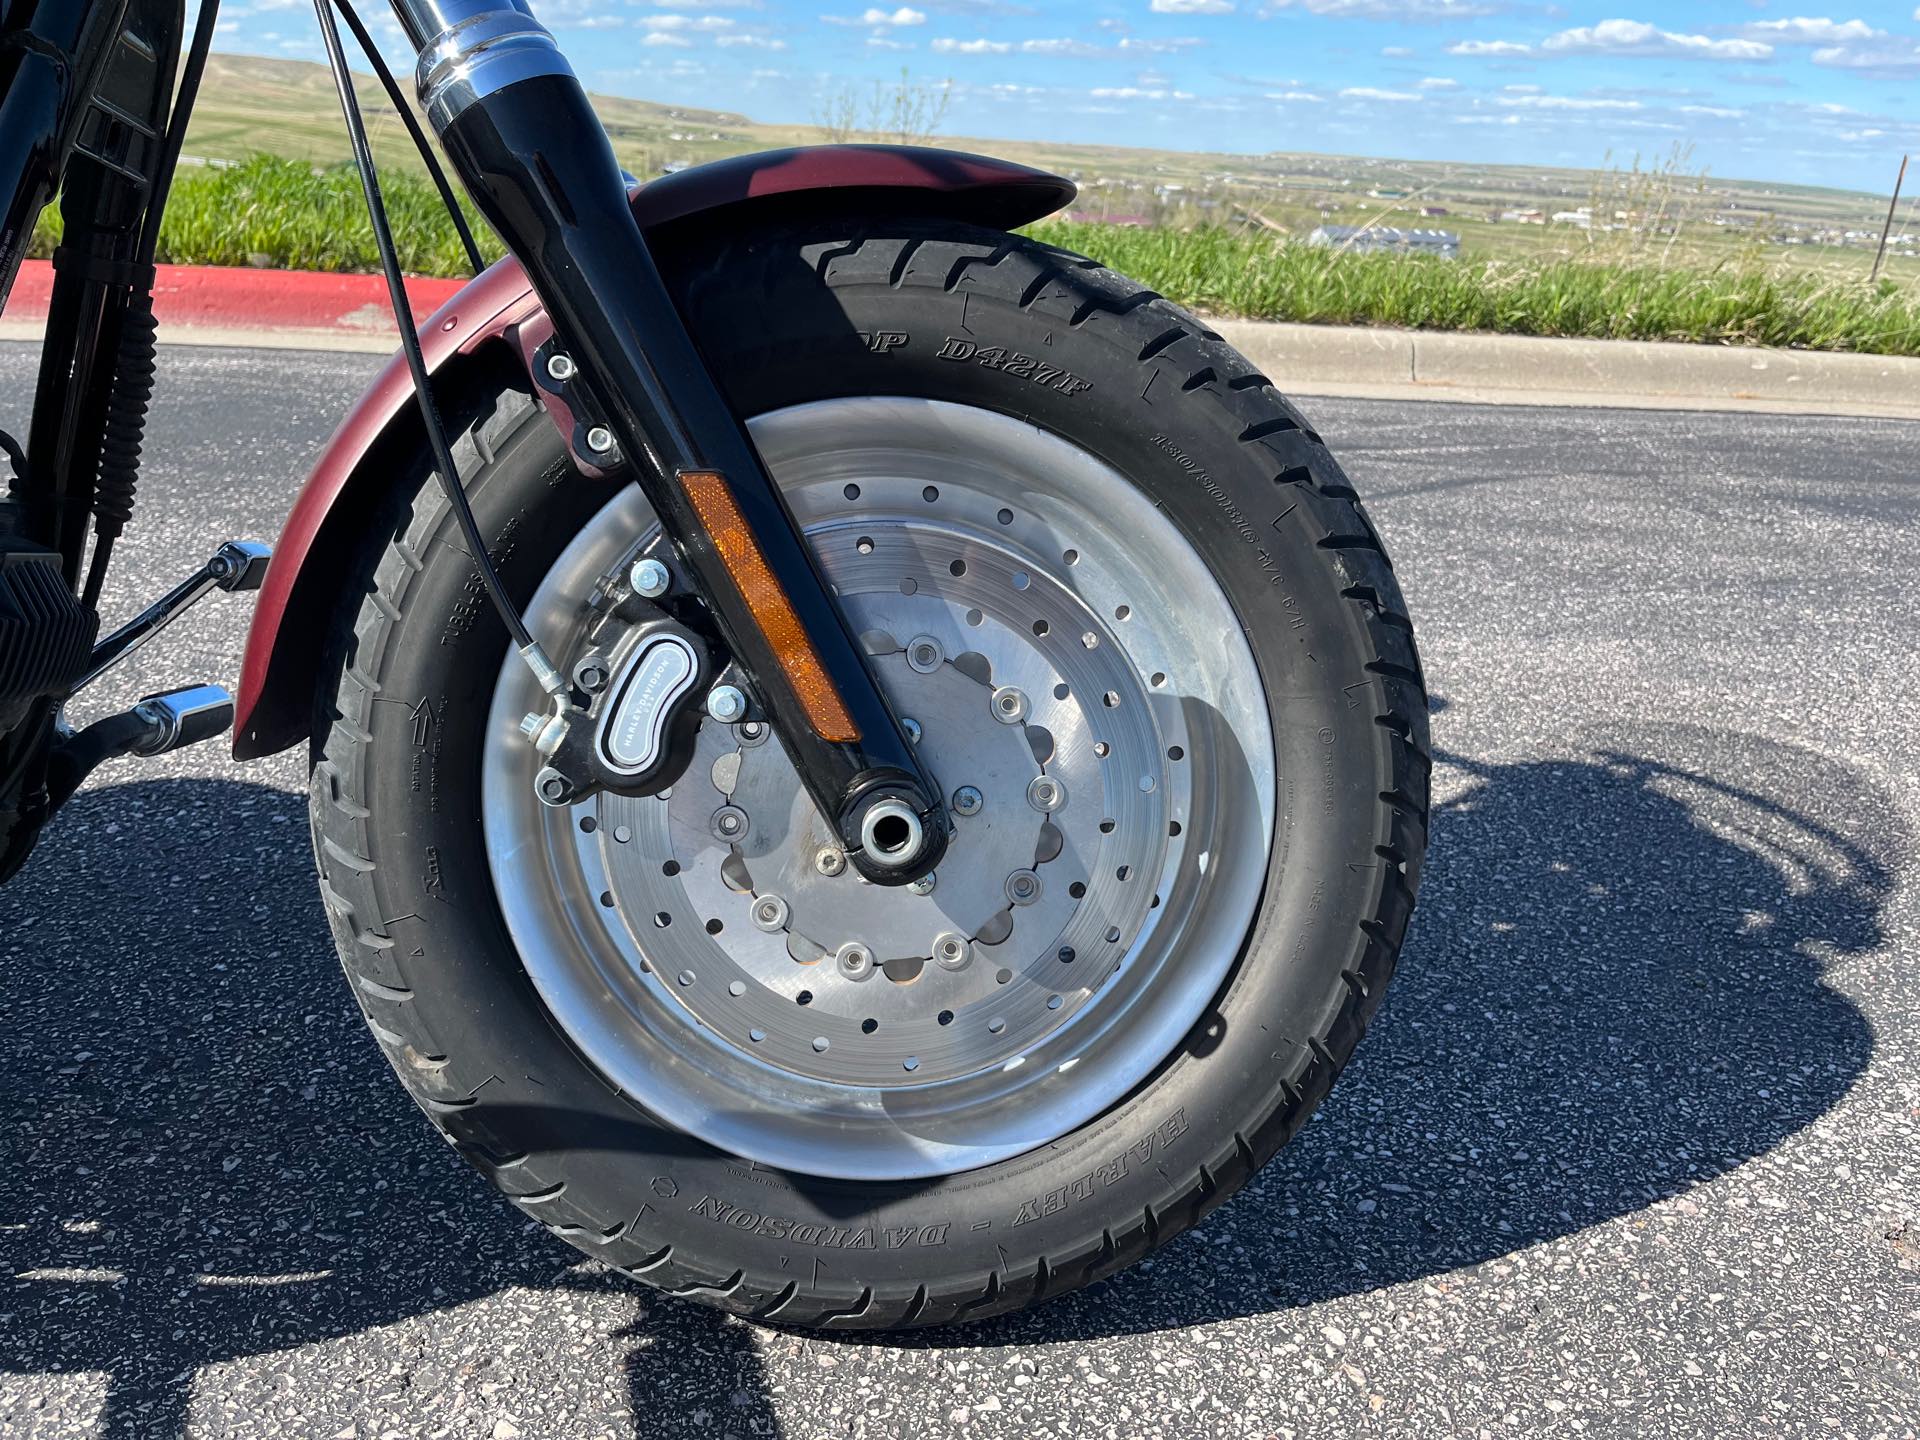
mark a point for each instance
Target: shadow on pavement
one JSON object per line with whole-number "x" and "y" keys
{"x": 203, "y": 1156}
{"x": 1614, "y": 992}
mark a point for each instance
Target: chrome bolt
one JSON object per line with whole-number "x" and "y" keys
{"x": 770, "y": 914}
{"x": 561, "y": 367}
{"x": 967, "y": 801}
{"x": 726, "y": 704}
{"x": 729, "y": 823}
{"x": 599, "y": 439}
{"x": 924, "y": 885}
{"x": 552, "y": 787}
{"x": 912, "y": 727}
{"x": 1046, "y": 794}
{"x": 951, "y": 951}
{"x": 1009, "y": 705}
{"x": 1023, "y": 887}
{"x": 752, "y": 733}
{"x": 855, "y": 961}
{"x": 532, "y": 723}
{"x": 925, "y": 654}
{"x": 650, "y": 578}
{"x": 591, "y": 675}
{"x": 829, "y": 861}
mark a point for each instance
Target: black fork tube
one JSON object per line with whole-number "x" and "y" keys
{"x": 520, "y": 131}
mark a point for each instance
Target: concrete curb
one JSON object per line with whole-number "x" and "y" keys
{"x": 1634, "y": 374}
{"x": 279, "y": 309}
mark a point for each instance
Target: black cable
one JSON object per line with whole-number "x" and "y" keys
{"x": 419, "y": 136}
{"x": 410, "y": 338}
{"x": 190, "y": 76}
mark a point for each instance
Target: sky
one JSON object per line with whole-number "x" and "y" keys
{"x": 1761, "y": 89}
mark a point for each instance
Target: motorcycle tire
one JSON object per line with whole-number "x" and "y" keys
{"x": 1050, "y": 474}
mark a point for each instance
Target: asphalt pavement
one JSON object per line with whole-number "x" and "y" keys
{"x": 1633, "y": 1149}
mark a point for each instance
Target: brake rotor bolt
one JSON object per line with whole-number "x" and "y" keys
{"x": 924, "y": 885}
{"x": 753, "y": 733}
{"x": 951, "y": 951}
{"x": 561, "y": 367}
{"x": 650, "y": 578}
{"x": 829, "y": 861}
{"x": 1023, "y": 887}
{"x": 552, "y": 786}
{"x": 599, "y": 440}
{"x": 770, "y": 914}
{"x": 967, "y": 801}
{"x": 729, "y": 823}
{"x": 1009, "y": 705}
{"x": 726, "y": 703}
{"x": 855, "y": 961}
{"x": 1046, "y": 794}
{"x": 912, "y": 727}
{"x": 925, "y": 654}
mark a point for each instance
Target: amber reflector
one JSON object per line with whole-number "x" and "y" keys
{"x": 713, "y": 502}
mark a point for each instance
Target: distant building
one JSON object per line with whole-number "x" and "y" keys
{"x": 1377, "y": 239}
{"x": 1524, "y": 217}
{"x": 1434, "y": 212}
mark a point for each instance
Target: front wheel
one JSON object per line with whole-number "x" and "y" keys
{"x": 1156, "y": 656}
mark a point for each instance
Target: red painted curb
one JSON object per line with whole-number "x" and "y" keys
{"x": 216, "y": 297}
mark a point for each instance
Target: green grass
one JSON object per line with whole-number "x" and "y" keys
{"x": 283, "y": 213}
{"x": 1239, "y": 272}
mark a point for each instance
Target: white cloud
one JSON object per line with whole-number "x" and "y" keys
{"x": 1803, "y": 30}
{"x": 751, "y": 42}
{"x": 665, "y": 37}
{"x": 1564, "y": 102}
{"x": 661, "y": 23}
{"x": 1132, "y": 92}
{"x": 1892, "y": 55}
{"x": 1393, "y": 10}
{"x": 1292, "y": 96}
{"x": 1436, "y": 82}
{"x": 947, "y": 46}
{"x": 1192, "y": 7}
{"x": 1713, "y": 112}
{"x": 1488, "y": 47}
{"x": 1636, "y": 37}
{"x": 1367, "y": 92}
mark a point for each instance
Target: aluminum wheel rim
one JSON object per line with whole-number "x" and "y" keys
{"x": 1101, "y": 889}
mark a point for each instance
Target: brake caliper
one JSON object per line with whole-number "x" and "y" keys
{"x": 637, "y": 688}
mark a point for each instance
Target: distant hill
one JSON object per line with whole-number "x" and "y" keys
{"x": 288, "y": 108}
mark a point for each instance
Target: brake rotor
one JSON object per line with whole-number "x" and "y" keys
{"x": 1028, "y": 712}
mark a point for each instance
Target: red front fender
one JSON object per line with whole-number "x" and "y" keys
{"x": 274, "y": 706}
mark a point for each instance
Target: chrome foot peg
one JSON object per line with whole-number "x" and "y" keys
{"x": 183, "y": 717}
{"x": 157, "y": 725}
{"x": 236, "y": 565}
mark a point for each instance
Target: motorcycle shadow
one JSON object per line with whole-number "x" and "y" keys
{"x": 1612, "y": 993}
{"x": 204, "y": 1159}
